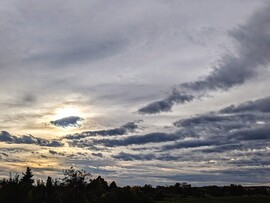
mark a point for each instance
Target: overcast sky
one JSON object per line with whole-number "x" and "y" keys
{"x": 146, "y": 91}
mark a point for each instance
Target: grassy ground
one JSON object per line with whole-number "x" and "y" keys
{"x": 219, "y": 200}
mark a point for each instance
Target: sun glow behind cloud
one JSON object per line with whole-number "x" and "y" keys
{"x": 66, "y": 118}
{"x": 66, "y": 112}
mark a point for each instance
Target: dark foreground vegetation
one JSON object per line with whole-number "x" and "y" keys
{"x": 78, "y": 187}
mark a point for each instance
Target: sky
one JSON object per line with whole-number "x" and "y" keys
{"x": 140, "y": 92}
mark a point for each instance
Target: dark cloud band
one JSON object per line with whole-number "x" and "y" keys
{"x": 253, "y": 45}
{"x": 71, "y": 121}
{"x": 28, "y": 139}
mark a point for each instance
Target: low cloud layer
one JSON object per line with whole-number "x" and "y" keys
{"x": 252, "y": 42}
{"x": 236, "y": 136}
{"x": 71, "y": 121}
{"x": 27, "y": 139}
{"x": 238, "y": 133}
{"x": 222, "y": 129}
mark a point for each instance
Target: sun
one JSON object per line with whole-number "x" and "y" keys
{"x": 67, "y": 111}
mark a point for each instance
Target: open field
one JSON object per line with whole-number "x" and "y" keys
{"x": 218, "y": 200}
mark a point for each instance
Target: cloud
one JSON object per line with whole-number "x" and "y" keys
{"x": 81, "y": 52}
{"x": 230, "y": 128}
{"x": 20, "y": 100}
{"x": 249, "y": 118}
{"x": 5, "y": 137}
{"x": 27, "y": 139}
{"x": 166, "y": 104}
{"x": 53, "y": 152}
{"x": 124, "y": 129}
{"x": 219, "y": 121}
{"x": 189, "y": 144}
{"x": 130, "y": 140}
{"x": 97, "y": 154}
{"x": 259, "y": 105}
{"x": 215, "y": 130}
{"x": 138, "y": 139}
{"x": 71, "y": 121}
{"x": 234, "y": 138}
{"x": 144, "y": 157}
{"x": 130, "y": 157}
{"x": 252, "y": 41}
{"x": 255, "y": 133}
{"x": 223, "y": 148}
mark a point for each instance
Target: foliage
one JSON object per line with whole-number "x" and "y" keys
{"x": 77, "y": 187}
{"x": 76, "y": 178}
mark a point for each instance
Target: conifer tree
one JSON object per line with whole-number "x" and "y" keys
{"x": 27, "y": 178}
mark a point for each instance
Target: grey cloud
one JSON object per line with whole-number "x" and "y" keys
{"x": 196, "y": 156}
{"x": 53, "y": 143}
{"x": 157, "y": 107}
{"x": 144, "y": 157}
{"x": 5, "y": 137}
{"x": 223, "y": 132}
{"x": 223, "y": 148}
{"x": 23, "y": 100}
{"x": 253, "y": 161}
{"x": 130, "y": 157}
{"x": 189, "y": 144}
{"x": 124, "y": 129}
{"x": 166, "y": 104}
{"x": 83, "y": 38}
{"x": 220, "y": 121}
{"x": 13, "y": 150}
{"x": 97, "y": 154}
{"x": 232, "y": 118}
{"x": 71, "y": 121}
{"x": 259, "y": 105}
{"x": 138, "y": 139}
{"x": 81, "y": 53}
{"x": 131, "y": 140}
{"x": 27, "y": 139}
{"x": 253, "y": 46}
{"x": 214, "y": 130}
{"x": 255, "y": 133}
{"x": 200, "y": 120}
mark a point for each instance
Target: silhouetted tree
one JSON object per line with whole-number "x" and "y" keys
{"x": 112, "y": 185}
{"x": 75, "y": 182}
{"x": 8, "y": 189}
{"x": 26, "y": 186}
{"x": 76, "y": 178}
{"x": 27, "y": 178}
{"x": 49, "y": 183}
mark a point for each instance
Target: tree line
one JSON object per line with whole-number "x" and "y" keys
{"x": 77, "y": 186}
